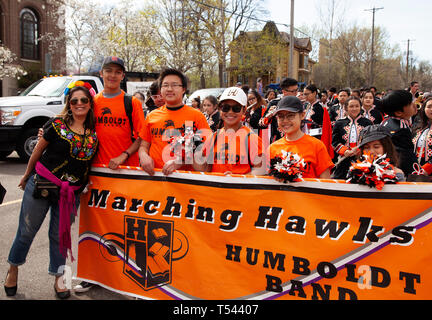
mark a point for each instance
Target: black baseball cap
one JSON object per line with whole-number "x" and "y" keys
{"x": 115, "y": 60}
{"x": 290, "y": 103}
{"x": 372, "y": 133}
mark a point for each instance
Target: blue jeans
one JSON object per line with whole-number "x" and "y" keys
{"x": 32, "y": 215}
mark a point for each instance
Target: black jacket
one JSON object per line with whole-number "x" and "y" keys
{"x": 275, "y": 132}
{"x": 374, "y": 115}
{"x": 402, "y": 140}
{"x": 341, "y": 132}
{"x": 336, "y": 112}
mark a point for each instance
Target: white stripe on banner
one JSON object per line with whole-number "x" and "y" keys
{"x": 334, "y": 185}
{"x": 10, "y": 202}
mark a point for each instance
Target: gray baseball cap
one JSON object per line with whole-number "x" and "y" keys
{"x": 372, "y": 133}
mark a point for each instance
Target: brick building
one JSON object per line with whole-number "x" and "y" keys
{"x": 265, "y": 54}
{"x": 22, "y": 23}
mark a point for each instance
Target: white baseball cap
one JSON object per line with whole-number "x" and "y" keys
{"x": 234, "y": 93}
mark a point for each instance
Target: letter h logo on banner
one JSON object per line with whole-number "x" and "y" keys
{"x": 148, "y": 251}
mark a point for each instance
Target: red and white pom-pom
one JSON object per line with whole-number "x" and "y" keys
{"x": 371, "y": 170}
{"x": 290, "y": 167}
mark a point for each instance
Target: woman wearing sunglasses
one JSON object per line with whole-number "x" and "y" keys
{"x": 60, "y": 160}
{"x": 234, "y": 148}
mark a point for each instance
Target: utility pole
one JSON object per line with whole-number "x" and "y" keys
{"x": 222, "y": 63}
{"x": 291, "y": 48}
{"x": 371, "y": 77}
{"x": 407, "y": 59}
{"x": 330, "y": 50}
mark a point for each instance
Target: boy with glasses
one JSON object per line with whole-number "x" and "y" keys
{"x": 167, "y": 122}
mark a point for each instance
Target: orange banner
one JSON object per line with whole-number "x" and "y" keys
{"x": 204, "y": 236}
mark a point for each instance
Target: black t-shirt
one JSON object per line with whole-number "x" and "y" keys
{"x": 402, "y": 140}
{"x": 68, "y": 155}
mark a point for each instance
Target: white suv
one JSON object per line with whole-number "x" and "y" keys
{"x": 21, "y": 116}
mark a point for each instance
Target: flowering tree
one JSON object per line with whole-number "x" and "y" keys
{"x": 190, "y": 35}
{"x": 129, "y": 35}
{"x": 94, "y": 29}
{"x": 7, "y": 66}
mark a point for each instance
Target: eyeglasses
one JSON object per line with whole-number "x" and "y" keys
{"x": 227, "y": 108}
{"x": 83, "y": 100}
{"x": 252, "y": 99}
{"x": 157, "y": 96}
{"x": 291, "y": 91}
{"x": 288, "y": 116}
{"x": 171, "y": 85}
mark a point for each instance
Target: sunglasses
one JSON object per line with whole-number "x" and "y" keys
{"x": 227, "y": 108}
{"x": 84, "y": 100}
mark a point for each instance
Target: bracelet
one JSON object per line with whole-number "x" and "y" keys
{"x": 127, "y": 153}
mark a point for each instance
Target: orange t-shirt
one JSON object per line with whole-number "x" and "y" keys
{"x": 163, "y": 123}
{"x": 235, "y": 152}
{"x": 312, "y": 150}
{"x": 113, "y": 128}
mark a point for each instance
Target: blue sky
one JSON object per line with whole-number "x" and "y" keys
{"x": 402, "y": 19}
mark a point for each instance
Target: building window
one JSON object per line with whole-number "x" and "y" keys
{"x": 301, "y": 61}
{"x": 29, "y": 34}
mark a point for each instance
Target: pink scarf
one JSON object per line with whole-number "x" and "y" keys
{"x": 66, "y": 208}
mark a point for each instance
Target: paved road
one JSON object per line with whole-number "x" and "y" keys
{"x": 34, "y": 281}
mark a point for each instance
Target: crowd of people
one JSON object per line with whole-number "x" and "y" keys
{"x": 338, "y": 118}
{"x": 231, "y": 134}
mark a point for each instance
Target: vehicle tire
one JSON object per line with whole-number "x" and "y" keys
{"x": 26, "y": 143}
{"x": 4, "y": 154}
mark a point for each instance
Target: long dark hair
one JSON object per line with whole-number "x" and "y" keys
{"x": 260, "y": 99}
{"x": 424, "y": 120}
{"x": 212, "y": 99}
{"x": 268, "y": 93}
{"x": 389, "y": 150}
{"x": 67, "y": 116}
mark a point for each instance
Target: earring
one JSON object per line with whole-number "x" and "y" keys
{"x": 69, "y": 112}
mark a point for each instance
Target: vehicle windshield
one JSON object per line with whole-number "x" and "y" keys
{"x": 47, "y": 87}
